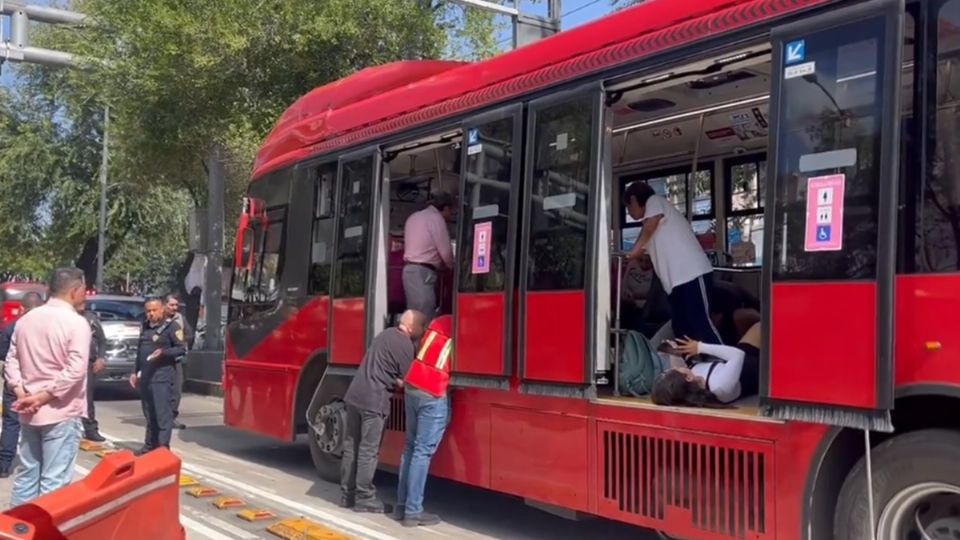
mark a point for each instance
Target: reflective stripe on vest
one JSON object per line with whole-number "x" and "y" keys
{"x": 430, "y": 370}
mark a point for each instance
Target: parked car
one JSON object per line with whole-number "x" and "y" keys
{"x": 11, "y": 293}
{"x": 121, "y": 317}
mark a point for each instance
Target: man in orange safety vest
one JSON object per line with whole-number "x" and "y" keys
{"x": 427, "y": 416}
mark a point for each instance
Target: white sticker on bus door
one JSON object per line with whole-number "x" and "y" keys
{"x": 353, "y": 232}
{"x": 486, "y": 211}
{"x": 555, "y": 202}
{"x": 799, "y": 70}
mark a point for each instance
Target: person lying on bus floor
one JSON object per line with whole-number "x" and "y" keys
{"x": 724, "y": 376}
{"x": 678, "y": 260}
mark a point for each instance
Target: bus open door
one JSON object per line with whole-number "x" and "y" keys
{"x": 829, "y": 283}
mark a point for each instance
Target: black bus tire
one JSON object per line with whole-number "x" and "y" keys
{"x": 907, "y": 460}
{"x": 327, "y": 463}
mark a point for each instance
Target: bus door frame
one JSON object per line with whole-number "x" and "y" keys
{"x": 584, "y": 387}
{"x": 516, "y": 111}
{"x": 368, "y": 151}
{"x": 878, "y": 417}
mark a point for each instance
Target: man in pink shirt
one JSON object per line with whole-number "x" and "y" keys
{"x": 426, "y": 249}
{"x": 47, "y": 370}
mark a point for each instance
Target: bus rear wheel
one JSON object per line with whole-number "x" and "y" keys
{"x": 328, "y": 429}
{"x": 916, "y": 490}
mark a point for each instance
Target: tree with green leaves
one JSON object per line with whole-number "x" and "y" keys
{"x": 180, "y": 77}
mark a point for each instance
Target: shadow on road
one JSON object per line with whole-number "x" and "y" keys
{"x": 484, "y": 512}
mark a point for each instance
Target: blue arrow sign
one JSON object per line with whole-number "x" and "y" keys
{"x": 796, "y": 51}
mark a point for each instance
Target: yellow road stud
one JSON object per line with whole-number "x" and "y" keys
{"x": 227, "y": 502}
{"x": 90, "y": 446}
{"x": 251, "y": 514}
{"x": 187, "y": 481}
{"x": 304, "y": 529}
{"x": 202, "y": 491}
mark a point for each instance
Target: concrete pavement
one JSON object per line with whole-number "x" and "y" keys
{"x": 280, "y": 478}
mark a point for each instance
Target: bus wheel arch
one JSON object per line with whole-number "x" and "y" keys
{"x": 327, "y": 416}
{"x": 841, "y": 450}
{"x": 307, "y": 383}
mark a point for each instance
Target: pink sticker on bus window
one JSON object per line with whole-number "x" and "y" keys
{"x": 482, "y": 241}
{"x": 824, "y": 231}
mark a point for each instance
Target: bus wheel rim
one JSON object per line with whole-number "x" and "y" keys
{"x": 331, "y": 423}
{"x": 923, "y": 511}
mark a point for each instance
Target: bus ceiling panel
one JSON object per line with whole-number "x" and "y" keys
{"x": 422, "y": 143}
{"x": 749, "y": 58}
{"x": 729, "y": 132}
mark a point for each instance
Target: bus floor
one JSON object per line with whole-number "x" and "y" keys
{"x": 747, "y": 407}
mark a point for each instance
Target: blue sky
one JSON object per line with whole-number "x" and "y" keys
{"x": 574, "y": 12}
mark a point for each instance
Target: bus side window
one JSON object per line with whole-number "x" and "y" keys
{"x": 321, "y": 252}
{"x": 937, "y": 233}
{"x": 746, "y": 177}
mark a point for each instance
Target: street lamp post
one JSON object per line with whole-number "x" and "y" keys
{"x": 102, "y": 226}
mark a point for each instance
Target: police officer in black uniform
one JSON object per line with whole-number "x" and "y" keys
{"x": 161, "y": 343}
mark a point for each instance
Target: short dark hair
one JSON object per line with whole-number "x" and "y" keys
{"x": 442, "y": 200}
{"x": 31, "y": 300}
{"x": 150, "y": 299}
{"x": 641, "y": 191}
{"x": 65, "y": 278}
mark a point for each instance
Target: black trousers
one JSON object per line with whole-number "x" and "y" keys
{"x": 361, "y": 449}
{"x": 157, "y": 400}
{"x": 690, "y": 310}
{"x": 90, "y": 425}
{"x": 177, "y": 391}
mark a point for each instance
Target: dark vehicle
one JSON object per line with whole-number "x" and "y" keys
{"x": 121, "y": 317}
{"x": 11, "y": 293}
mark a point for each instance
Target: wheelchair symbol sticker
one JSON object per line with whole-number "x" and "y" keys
{"x": 824, "y": 222}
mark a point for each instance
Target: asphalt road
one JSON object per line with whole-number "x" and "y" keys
{"x": 280, "y": 478}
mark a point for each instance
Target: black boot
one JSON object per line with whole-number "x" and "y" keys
{"x": 94, "y": 437}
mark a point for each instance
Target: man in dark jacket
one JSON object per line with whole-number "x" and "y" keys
{"x": 368, "y": 404}
{"x": 161, "y": 342}
{"x": 11, "y": 420}
{"x": 98, "y": 349}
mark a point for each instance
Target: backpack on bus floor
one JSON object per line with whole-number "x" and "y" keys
{"x": 639, "y": 364}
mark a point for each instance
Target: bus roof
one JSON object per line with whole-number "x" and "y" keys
{"x": 387, "y": 99}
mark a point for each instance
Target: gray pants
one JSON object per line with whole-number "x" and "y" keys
{"x": 361, "y": 450}
{"x": 419, "y": 286}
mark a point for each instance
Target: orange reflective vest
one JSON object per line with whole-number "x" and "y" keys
{"x": 430, "y": 370}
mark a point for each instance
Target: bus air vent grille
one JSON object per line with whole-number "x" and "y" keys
{"x": 690, "y": 480}
{"x": 397, "y": 421}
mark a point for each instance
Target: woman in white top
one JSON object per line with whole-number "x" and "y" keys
{"x": 723, "y": 374}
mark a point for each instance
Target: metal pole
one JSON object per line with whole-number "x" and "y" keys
{"x": 213, "y": 286}
{"x": 102, "y": 229}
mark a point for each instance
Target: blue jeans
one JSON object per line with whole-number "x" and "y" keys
{"x": 47, "y": 456}
{"x": 427, "y": 419}
{"x": 11, "y": 430}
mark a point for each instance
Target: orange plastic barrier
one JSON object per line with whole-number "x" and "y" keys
{"x": 122, "y": 498}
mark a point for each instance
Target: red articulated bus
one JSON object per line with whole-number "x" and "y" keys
{"x": 813, "y": 145}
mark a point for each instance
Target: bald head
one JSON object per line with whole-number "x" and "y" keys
{"x": 31, "y": 300}
{"x": 413, "y": 322}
